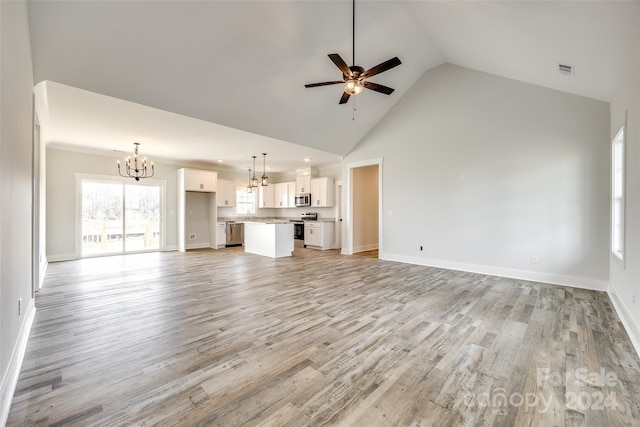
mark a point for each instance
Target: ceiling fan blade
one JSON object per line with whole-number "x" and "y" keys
{"x": 340, "y": 64}
{"x": 379, "y": 88}
{"x": 386, "y": 65}
{"x": 344, "y": 98}
{"x": 324, "y": 83}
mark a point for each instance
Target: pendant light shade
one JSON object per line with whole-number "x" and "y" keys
{"x": 265, "y": 179}
{"x": 249, "y": 187}
{"x": 254, "y": 180}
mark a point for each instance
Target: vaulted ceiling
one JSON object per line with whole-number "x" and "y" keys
{"x": 243, "y": 64}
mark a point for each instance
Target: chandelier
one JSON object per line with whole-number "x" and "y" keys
{"x": 135, "y": 168}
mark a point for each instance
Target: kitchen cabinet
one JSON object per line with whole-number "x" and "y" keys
{"x": 280, "y": 195}
{"x": 291, "y": 198}
{"x": 221, "y": 234}
{"x": 303, "y": 184}
{"x": 226, "y": 194}
{"x": 284, "y": 194}
{"x": 318, "y": 235}
{"x": 322, "y": 192}
{"x": 199, "y": 180}
{"x": 266, "y": 196}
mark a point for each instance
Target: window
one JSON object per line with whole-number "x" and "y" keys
{"x": 617, "y": 193}
{"x": 246, "y": 202}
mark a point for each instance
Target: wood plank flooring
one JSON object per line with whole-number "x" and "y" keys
{"x": 224, "y": 338}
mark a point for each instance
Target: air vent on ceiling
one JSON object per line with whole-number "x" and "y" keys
{"x": 567, "y": 70}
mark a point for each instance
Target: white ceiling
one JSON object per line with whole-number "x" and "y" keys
{"x": 243, "y": 65}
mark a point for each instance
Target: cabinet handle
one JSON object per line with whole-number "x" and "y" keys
{"x": 202, "y": 186}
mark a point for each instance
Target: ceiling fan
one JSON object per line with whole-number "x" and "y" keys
{"x": 354, "y": 77}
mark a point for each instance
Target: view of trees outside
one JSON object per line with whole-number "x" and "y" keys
{"x": 119, "y": 218}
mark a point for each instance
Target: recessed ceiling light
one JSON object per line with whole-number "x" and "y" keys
{"x": 306, "y": 159}
{"x": 220, "y": 161}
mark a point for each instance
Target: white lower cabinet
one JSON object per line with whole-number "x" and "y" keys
{"x": 318, "y": 235}
{"x": 221, "y": 234}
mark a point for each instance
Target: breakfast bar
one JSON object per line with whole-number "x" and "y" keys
{"x": 272, "y": 238}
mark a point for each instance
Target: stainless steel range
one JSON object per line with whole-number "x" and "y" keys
{"x": 298, "y": 227}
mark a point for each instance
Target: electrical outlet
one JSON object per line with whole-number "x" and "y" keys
{"x": 192, "y": 236}
{"x": 420, "y": 248}
{"x": 535, "y": 259}
{"x": 19, "y": 306}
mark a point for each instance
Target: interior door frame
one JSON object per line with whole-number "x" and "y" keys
{"x": 348, "y": 226}
{"x": 113, "y": 180}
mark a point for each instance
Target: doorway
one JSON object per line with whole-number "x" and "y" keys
{"x": 119, "y": 218}
{"x": 364, "y": 207}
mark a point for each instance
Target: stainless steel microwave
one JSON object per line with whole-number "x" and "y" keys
{"x": 303, "y": 199}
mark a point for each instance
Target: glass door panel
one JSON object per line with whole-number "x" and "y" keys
{"x": 142, "y": 218}
{"x": 102, "y": 220}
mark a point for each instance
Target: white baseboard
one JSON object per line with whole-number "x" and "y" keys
{"x": 630, "y": 325}
{"x": 171, "y": 248}
{"x": 61, "y": 257}
{"x": 10, "y": 376}
{"x": 43, "y": 270}
{"x": 365, "y": 248}
{"x": 533, "y": 276}
{"x": 196, "y": 246}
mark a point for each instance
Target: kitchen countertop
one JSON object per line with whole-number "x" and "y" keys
{"x": 271, "y": 220}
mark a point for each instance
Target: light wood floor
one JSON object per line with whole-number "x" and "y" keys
{"x": 224, "y": 338}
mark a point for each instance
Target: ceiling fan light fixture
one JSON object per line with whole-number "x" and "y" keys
{"x": 353, "y": 86}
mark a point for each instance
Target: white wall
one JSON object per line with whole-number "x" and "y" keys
{"x": 197, "y": 220}
{"x": 486, "y": 172}
{"x": 16, "y": 87}
{"x": 625, "y": 276}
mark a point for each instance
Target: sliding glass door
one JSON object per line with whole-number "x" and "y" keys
{"x": 119, "y": 218}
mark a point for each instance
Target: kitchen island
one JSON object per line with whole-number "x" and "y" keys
{"x": 270, "y": 238}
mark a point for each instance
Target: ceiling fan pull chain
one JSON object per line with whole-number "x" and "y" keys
{"x": 353, "y": 114}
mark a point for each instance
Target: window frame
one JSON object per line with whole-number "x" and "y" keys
{"x": 109, "y": 179}
{"x": 241, "y": 194}
{"x": 618, "y": 193}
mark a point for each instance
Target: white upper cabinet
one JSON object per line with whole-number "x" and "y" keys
{"x": 303, "y": 184}
{"x": 226, "y": 194}
{"x": 322, "y": 192}
{"x": 291, "y": 199}
{"x": 280, "y": 194}
{"x": 198, "y": 180}
{"x": 284, "y": 194}
{"x": 267, "y": 196}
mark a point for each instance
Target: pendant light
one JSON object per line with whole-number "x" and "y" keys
{"x": 254, "y": 180}
{"x": 265, "y": 179}
{"x": 249, "y": 187}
